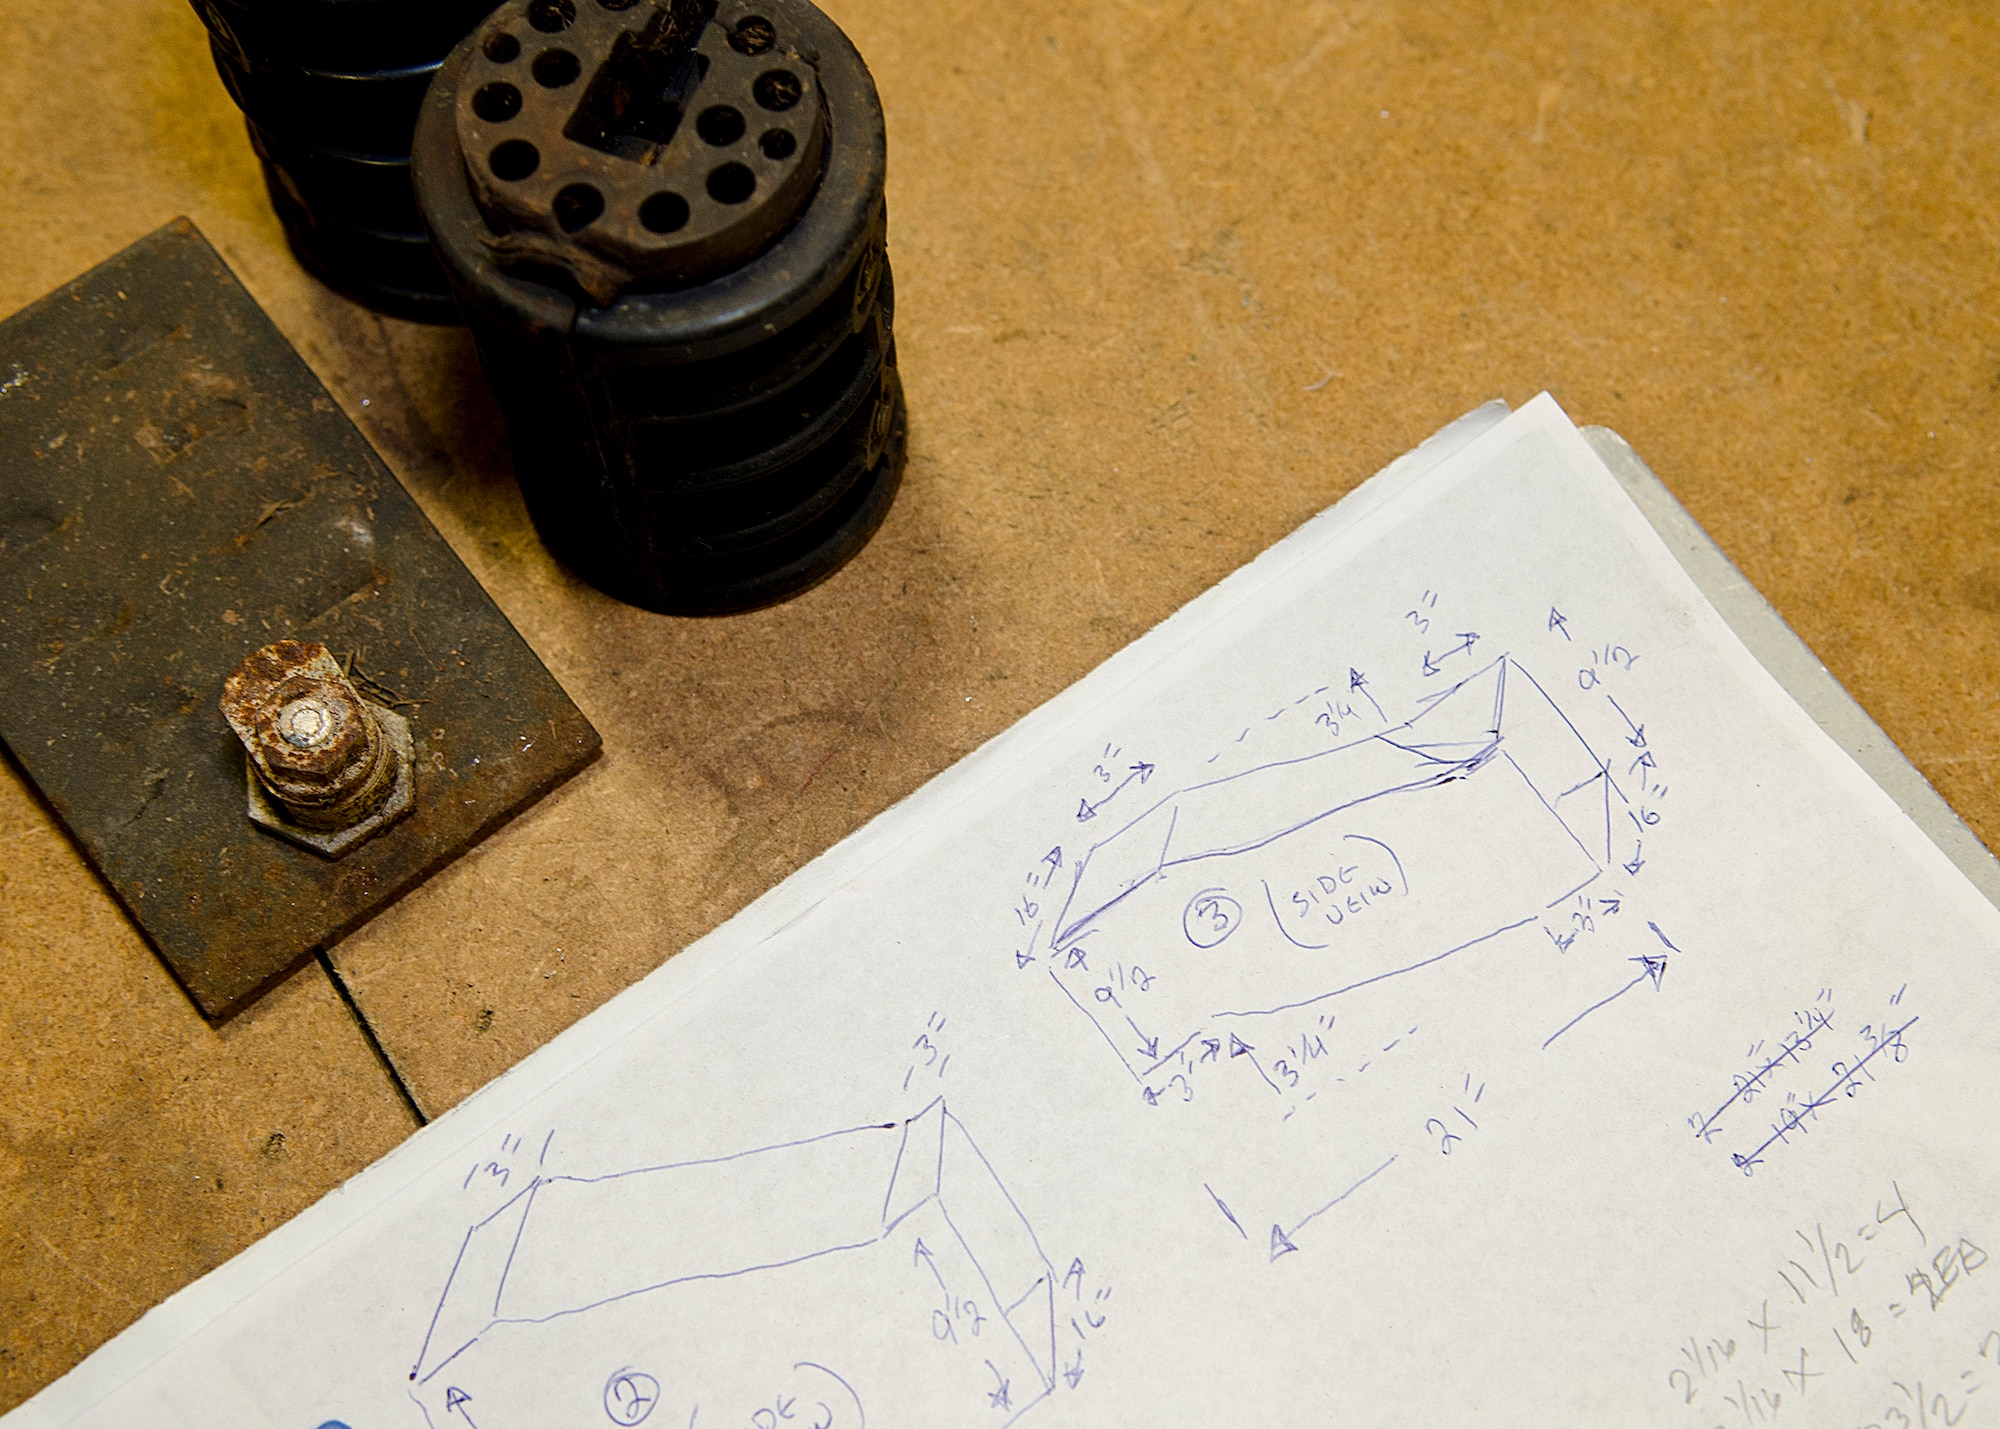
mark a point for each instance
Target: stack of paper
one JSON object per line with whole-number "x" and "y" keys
{"x": 1438, "y": 977}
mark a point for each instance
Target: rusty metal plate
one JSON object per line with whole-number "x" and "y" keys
{"x": 176, "y": 490}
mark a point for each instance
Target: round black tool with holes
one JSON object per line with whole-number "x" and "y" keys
{"x": 330, "y": 91}
{"x": 664, "y": 222}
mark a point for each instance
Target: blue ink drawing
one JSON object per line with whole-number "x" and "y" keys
{"x": 1299, "y": 881}
{"x": 814, "y": 1280}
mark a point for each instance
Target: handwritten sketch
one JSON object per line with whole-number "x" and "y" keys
{"x": 1441, "y": 984}
{"x": 801, "y": 1282}
{"x": 1297, "y": 881}
{"x": 1326, "y": 932}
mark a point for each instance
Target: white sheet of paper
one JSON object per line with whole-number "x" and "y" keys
{"x": 1439, "y": 977}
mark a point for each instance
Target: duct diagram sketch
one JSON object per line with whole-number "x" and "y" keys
{"x": 802, "y": 1282}
{"x": 1285, "y": 886}
{"x": 1440, "y": 980}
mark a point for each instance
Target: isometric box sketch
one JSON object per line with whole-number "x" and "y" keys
{"x": 878, "y": 1273}
{"x": 1298, "y": 881}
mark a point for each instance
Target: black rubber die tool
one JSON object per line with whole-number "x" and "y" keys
{"x": 664, "y": 222}
{"x": 330, "y": 91}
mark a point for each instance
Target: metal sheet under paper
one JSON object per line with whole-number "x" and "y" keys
{"x": 176, "y": 490}
{"x": 1437, "y": 977}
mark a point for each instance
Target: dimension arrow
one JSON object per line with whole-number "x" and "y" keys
{"x": 1469, "y": 638}
{"x": 926, "y": 1257}
{"x": 1281, "y": 1239}
{"x": 1086, "y": 811}
{"x": 1650, "y": 966}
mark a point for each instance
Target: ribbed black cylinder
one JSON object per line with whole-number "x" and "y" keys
{"x": 705, "y": 415}
{"x": 330, "y": 91}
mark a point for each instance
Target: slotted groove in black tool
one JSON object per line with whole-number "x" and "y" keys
{"x": 330, "y": 91}
{"x": 664, "y": 222}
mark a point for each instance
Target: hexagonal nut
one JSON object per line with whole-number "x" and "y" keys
{"x": 310, "y": 736}
{"x": 268, "y": 813}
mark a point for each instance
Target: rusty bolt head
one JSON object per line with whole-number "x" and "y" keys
{"x": 313, "y": 742}
{"x": 308, "y": 722}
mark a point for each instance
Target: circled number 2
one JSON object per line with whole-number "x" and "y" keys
{"x": 629, "y": 1396}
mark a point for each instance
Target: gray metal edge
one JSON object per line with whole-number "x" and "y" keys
{"x": 1793, "y": 664}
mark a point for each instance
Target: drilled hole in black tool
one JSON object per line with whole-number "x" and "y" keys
{"x": 576, "y": 205}
{"x": 552, "y": 17}
{"x": 753, "y": 35}
{"x": 664, "y": 213}
{"x": 497, "y": 102}
{"x": 731, "y": 183}
{"x": 777, "y": 144}
{"x": 514, "y": 160}
{"x": 502, "y": 48}
{"x": 777, "y": 89}
{"x": 555, "y": 68}
{"x": 719, "y": 125}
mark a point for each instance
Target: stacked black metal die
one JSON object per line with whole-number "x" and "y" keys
{"x": 330, "y": 91}
{"x": 664, "y": 223}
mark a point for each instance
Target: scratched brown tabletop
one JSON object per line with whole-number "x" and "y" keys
{"x": 1170, "y": 278}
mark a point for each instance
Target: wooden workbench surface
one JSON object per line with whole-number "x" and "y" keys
{"x": 1170, "y": 278}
